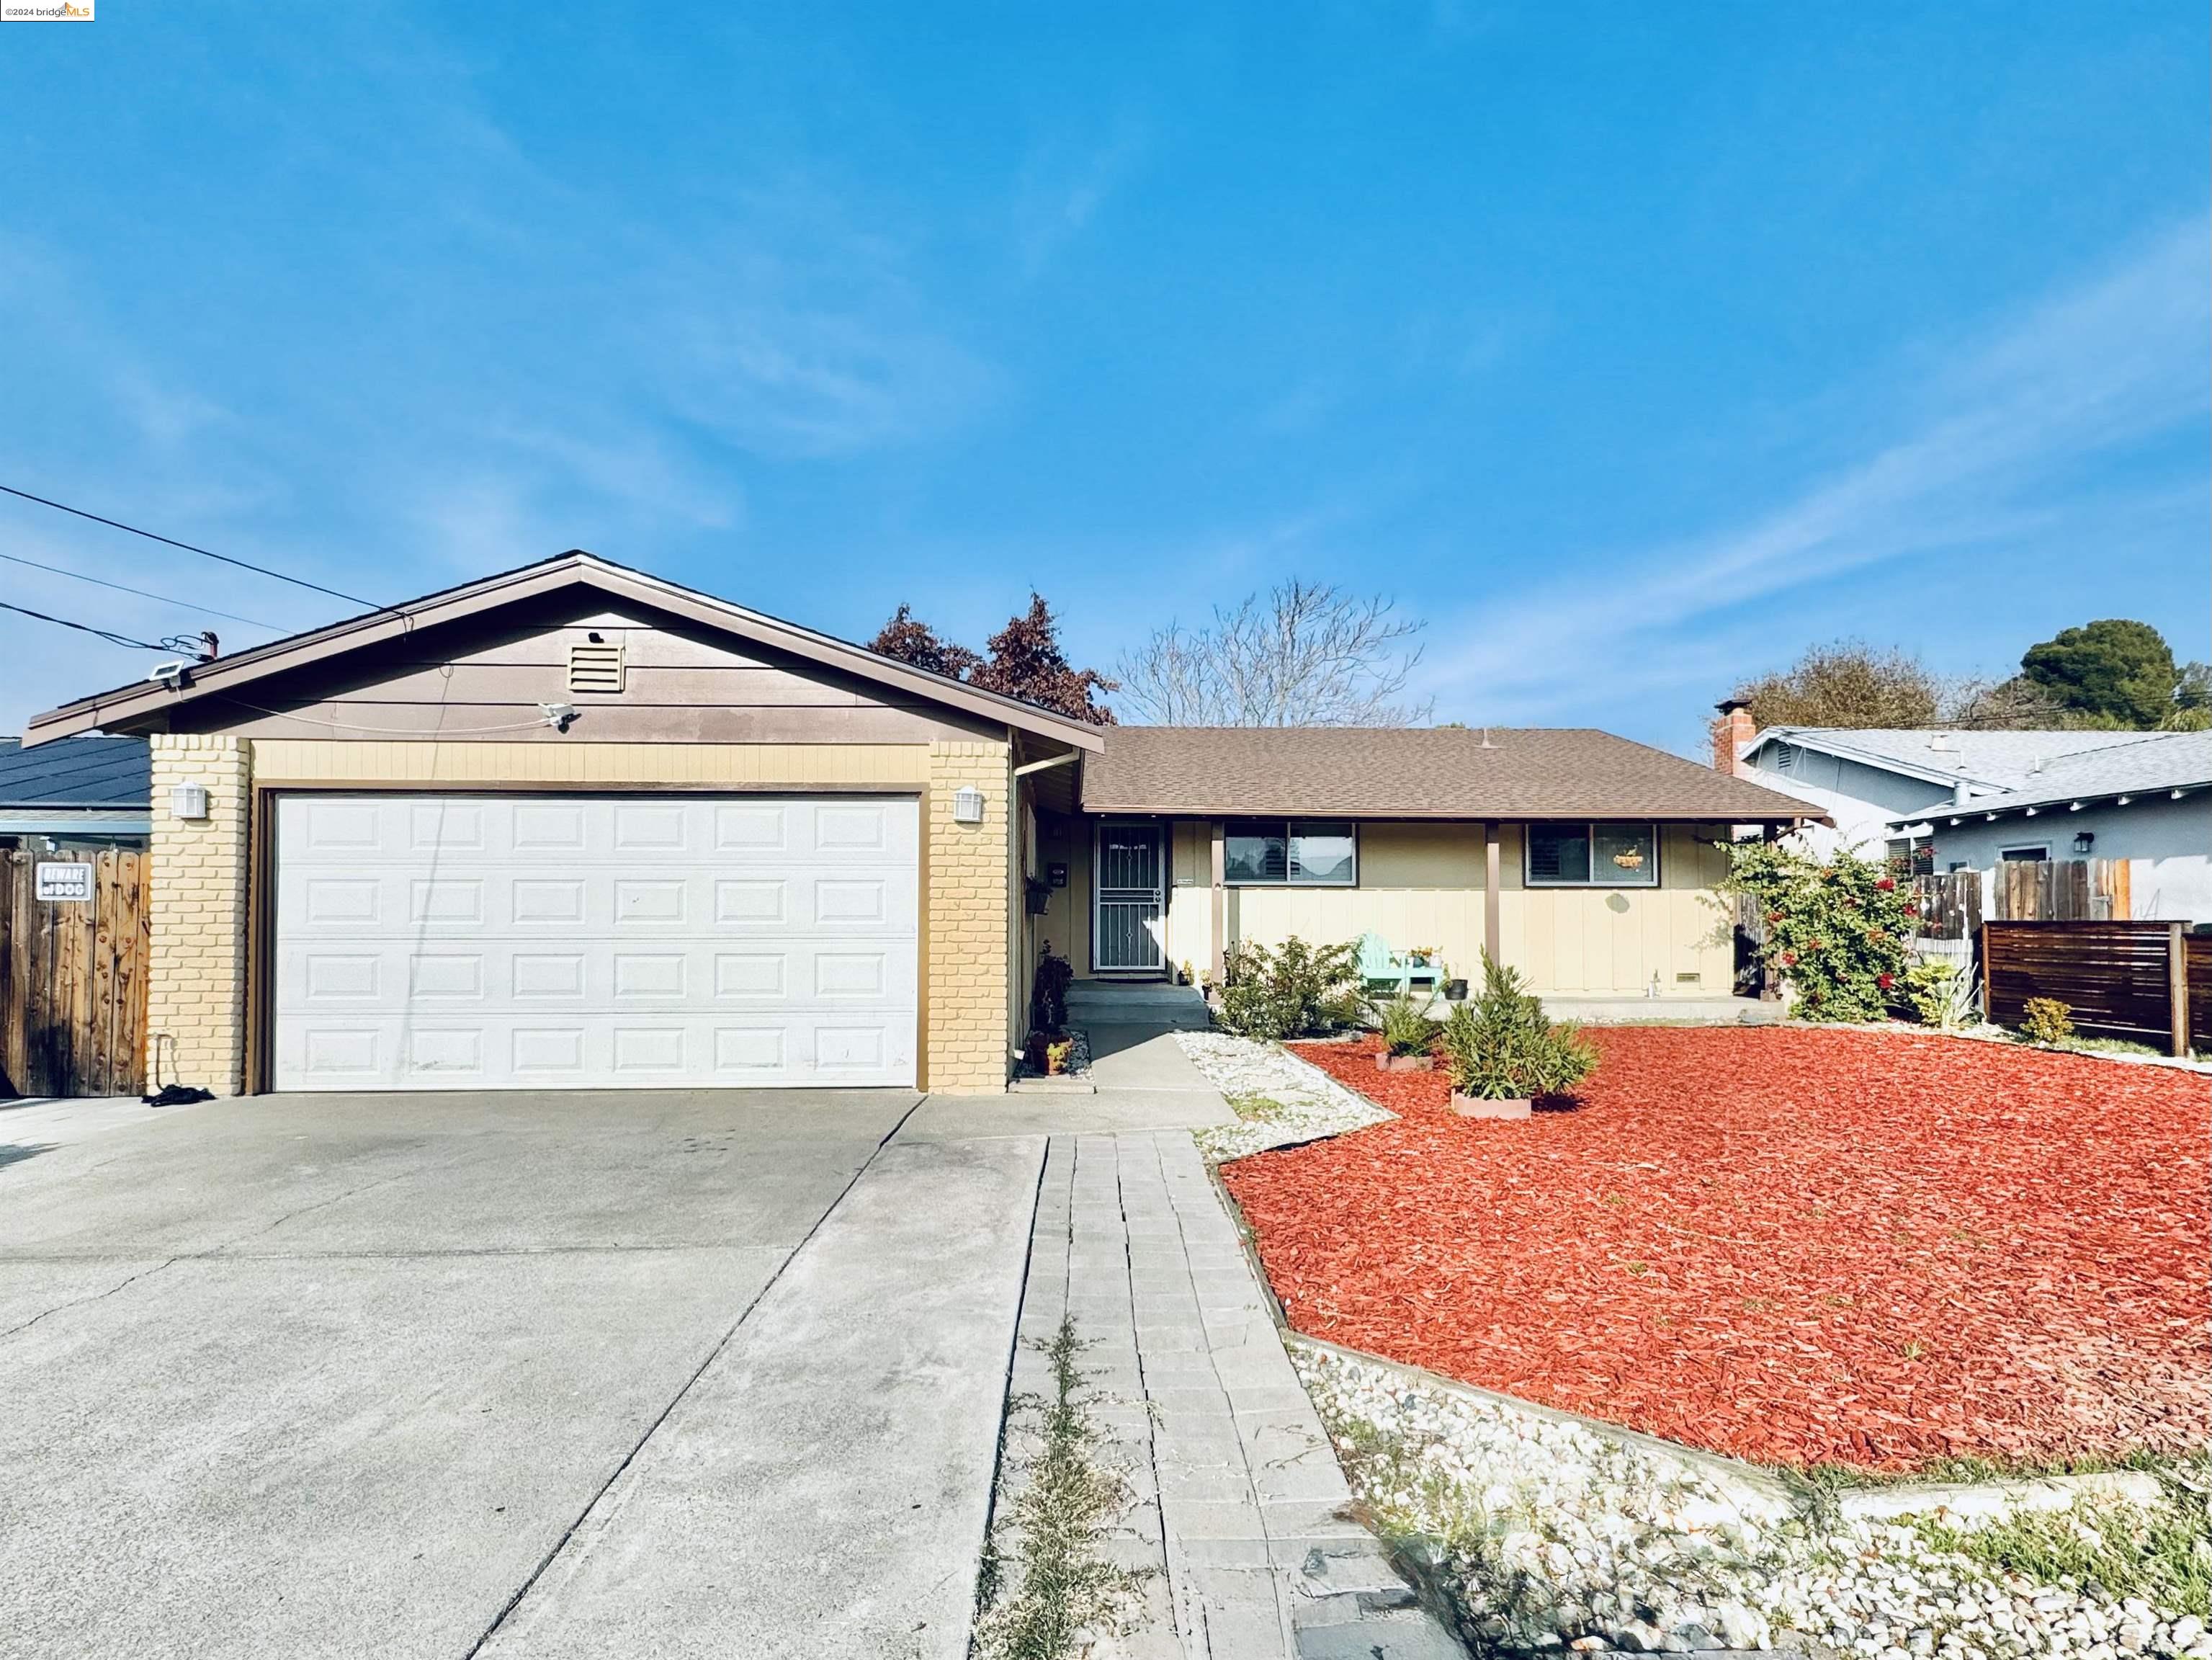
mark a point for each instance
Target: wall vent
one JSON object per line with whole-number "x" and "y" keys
{"x": 594, "y": 666}
{"x": 1688, "y": 979}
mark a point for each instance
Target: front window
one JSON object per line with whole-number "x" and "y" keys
{"x": 1309, "y": 851}
{"x": 1594, "y": 855}
{"x": 2025, "y": 855}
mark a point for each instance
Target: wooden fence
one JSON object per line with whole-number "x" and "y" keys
{"x": 2023, "y": 890}
{"x": 2126, "y": 979}
{"x": 73, "y": 975}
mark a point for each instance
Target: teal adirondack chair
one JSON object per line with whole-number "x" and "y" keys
{"x": 1381, "y": 966}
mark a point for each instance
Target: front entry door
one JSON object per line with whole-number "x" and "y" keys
{"x": 1129, "y": 900}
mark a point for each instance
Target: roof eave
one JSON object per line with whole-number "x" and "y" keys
{"x": 1989, "y": 807}
{"x": 1808, "y": 814}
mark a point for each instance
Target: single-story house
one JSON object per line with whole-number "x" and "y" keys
{"x": 574, "y": 826}
{"x": 80, "y": 792}
{"x": 1865, "y": 779}
{"x": 2147, "y": 800}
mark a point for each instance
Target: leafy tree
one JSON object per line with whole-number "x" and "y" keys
{"x": 1025, "y": 661}
{"x": 2115, "y": 670}
{"x": 2192, "y": 700}
{"x": 909, "y": 640}
{"x": 2015, "y": 704}
{"x": 1305, "y": 654}
{"x": 1845, "y": 683}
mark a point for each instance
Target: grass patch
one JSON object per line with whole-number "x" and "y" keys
{"x": 2110, "y": 1046}
{"x": 2162, "y": 1554}
{"x": 1045, "y": 1588}
{"x": 1256, "y": 1109}
{"x": 1806, "y": 1480}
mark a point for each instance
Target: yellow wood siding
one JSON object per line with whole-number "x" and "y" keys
{"x": 1421, "y": 885}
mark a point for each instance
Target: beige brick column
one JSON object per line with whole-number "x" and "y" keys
{"x": 968, "y": 892}
{"x": 195, "y": 988}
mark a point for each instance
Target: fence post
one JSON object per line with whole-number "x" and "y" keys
{"x": 2176, "y": 985}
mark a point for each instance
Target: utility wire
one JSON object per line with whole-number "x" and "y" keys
{"x": 83, "y": 627}
{"x": 258, "y": 570}
{"x": 187, "y": 604}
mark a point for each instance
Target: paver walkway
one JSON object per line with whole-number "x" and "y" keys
{"x": 1240, "y": 1504}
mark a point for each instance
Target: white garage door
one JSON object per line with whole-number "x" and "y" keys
{"x": 585, "y": 941}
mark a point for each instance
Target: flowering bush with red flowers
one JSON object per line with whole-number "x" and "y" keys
{"x": 1840, "y": 931}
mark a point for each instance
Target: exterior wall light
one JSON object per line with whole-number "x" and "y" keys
{"x": 188, "y": 801}
{"x": 967, "y": 806}
{"x": 2085, "y": 841}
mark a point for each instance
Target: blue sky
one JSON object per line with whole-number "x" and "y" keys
{"x": 1633, "y": 347}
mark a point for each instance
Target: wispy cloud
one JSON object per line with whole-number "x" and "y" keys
{"x": 1986, "y": 444}
{"x": 1062, "y": 188}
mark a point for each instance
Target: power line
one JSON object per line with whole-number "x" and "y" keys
{"x": 258, "y": 570}
{"x": 191, "y": 605}
{"x": 83, "y": 627}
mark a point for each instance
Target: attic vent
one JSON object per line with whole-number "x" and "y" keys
{"x": 594, "y": 666}
{"x": 1785, "y": 758}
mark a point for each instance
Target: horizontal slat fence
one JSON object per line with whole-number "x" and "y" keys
{"x": 73, "y": 976}
{"x": 2114, "y": 976}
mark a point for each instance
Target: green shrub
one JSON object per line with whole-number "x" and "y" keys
{"x": 1502, "y": 1047}
{"x": 1941, "y": 993}
{"x": 1838, "y": 933}
{"x": 1295, "y": 990}
{"x": 1405, "y": 1024}
{"x": 2045, "y": 1020}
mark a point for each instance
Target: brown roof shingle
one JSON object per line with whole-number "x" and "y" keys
{"x": 1415, "y": 772}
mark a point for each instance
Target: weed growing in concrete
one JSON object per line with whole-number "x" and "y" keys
{"x": 1047, "y": 1586}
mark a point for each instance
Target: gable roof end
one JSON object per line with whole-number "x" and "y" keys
{"x": 573, "y": 570}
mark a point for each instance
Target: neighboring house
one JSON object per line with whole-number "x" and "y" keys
{"x": 574, "y": 826}
{"x": 1865, "y": 779}
{"x": 2147, "y": 800}
{"x": 81, "y": 790}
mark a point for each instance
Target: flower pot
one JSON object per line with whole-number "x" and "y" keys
{"x": 1386, "y": 1061}
{"x": 1454, "y": 991}
{"x": 1475, "y": 1106}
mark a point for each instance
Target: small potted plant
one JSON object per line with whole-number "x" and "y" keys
{"x": 1454, "y": 988}
{"x": 1049, "y": 1053}
{"x": 1408, "y": 1036}
{"x": 1504, "y": 1052}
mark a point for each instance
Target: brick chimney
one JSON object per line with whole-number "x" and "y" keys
{"x": 1732, "y": 730}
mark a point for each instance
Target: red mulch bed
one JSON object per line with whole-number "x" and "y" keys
{"x": 1792, "y": 1246}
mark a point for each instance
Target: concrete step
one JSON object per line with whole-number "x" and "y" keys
{"x": 1111, "y": 1002}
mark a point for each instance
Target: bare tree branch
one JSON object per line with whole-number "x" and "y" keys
{"x": 1305, "y": 654}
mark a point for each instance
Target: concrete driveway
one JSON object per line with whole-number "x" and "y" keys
{"x": 581, "y": 1375}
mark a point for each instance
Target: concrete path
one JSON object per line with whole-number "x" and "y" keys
{"x": 391, "y": 1375}
{"x": 823, "y": 1485}
{"x": 1242, "y": 1509}
{"x": 38, "y": 1124}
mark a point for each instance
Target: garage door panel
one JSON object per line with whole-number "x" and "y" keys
{"x": 485, "y": 942}
{"x": 518, "y": 1052}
